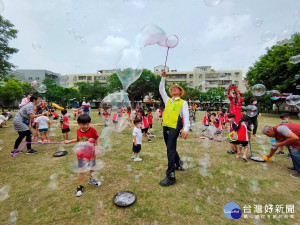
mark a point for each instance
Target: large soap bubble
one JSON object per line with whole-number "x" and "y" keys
{"x": 258, "y": 90}
{"x": 293, "y": 100}
{"x": 150, "y": 35}
{"x": 129, "y": 66}
{"x": 87, "y": 152}
{"x": 116, "y": 101}
{"x": 275, "y": 95}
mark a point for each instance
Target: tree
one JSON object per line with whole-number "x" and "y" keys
{"x": 94, "y": 90}
{"x": 58, "y": 94}
{"x": 11, "y": 91}
{"x": 7, "y": 32}
{"x": 274, "y": 69}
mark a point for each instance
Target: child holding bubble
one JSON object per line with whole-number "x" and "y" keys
{"x": 243, "y": 137}
{"x": 86, "y": 154}
{"x": 232, "y": 128}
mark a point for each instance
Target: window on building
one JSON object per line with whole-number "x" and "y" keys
{"x": 200, "y": 76}
{"x": 37, "y": 78}
{"x": 29, "y": 78}
{"x": 81, "y": 77}
{"x": 89, "y": 78}
{"x": 191, "y": 76}
{"x": 191, "y": 83}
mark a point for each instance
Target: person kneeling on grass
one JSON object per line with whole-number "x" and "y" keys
{"x": 287, "y": 134}
{"x": 243, "y": 137}
{"x": 86, "y": 154}
{"x": 3, "y": 119}
{"x": 137, "y": 140}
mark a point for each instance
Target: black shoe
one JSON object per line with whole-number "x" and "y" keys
{"x": 279, "y": 153}
{"x": 288, "y": 156}
{"x": 296, "y": 175}
{"x": 167, "y": 181}
{"x": 31, "y": 151}
{"x": 15, "y": 151}
{"x": 291, "y": 168}
{"x": 231, "y": 152}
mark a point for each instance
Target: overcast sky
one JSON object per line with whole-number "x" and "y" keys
{"x": 83, "y": 36}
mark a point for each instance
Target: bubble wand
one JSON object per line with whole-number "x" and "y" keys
{"x": 171, "y": 42}
{"x": 21, "y": 147}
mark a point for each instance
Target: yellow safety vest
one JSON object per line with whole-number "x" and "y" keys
{"x": 171, "y": 113}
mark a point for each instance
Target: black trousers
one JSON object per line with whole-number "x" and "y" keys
{"x": 170, "y": 137}
{"x": 255, "y": 124}
{"x": 23, "y": 134}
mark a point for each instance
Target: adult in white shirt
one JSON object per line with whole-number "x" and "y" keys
{"x": 175, "y": 110}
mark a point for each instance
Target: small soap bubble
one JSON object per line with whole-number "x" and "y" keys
{"x": 4, "y": 192}
{"x": 136, "y": 178}
{"x": 257, "y": 22}
{"x": 128, "y": 167}
{"x": 36, "y": 45}
{"x": 212, "y": 3}
{"x": 267, "y": 36}
{"x": 13, "y": 216}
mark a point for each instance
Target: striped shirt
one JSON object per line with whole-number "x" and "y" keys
{"x": 24, "y": 113}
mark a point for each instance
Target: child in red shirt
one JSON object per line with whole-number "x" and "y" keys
{"x": 145, "y": 125}
{"x": 64, "y": 122}
{"x": 150, "y": 118}
{"x": 243, "y": 137}
{"x": 88, "y": 138}
{"x": 55, "y": 115}
{"x": 232, "y": 128}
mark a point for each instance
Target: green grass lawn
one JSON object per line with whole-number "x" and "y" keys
{"x": 198, "y": 197}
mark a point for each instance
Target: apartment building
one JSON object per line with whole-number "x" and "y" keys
{"x": 70, "y": 80}
{"x": 205, "y": 77}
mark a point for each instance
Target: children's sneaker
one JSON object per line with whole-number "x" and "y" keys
{"x": 132, "y": 156}
{"x": 245, "y": 159}
{"x": 31, "y": 151}
{"x": 279, "y": 153}
{"x": 94, "y": 182}
{"x": 238, "y": 157}
{"x": 149, "y": 140}
{"x": 137, "y": 159}
{"x": 288, "y": 156}
{"x": 79, "y": 191}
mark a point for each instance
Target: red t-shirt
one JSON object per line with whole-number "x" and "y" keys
{"x": 86, "y": 149}
{"x": 106, "y": 115}
{"x": 54, "y": 114}
{"x": 149, "y": 117}
{"x": 243, "y": 132}
{"x": 65, "y": 124}
{"x": 115, "y": 117}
